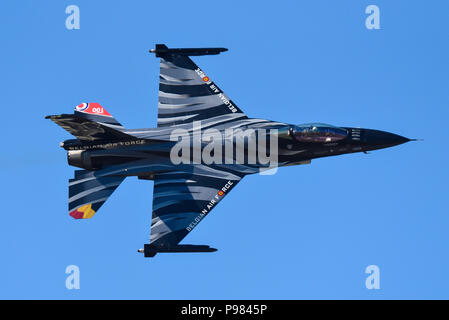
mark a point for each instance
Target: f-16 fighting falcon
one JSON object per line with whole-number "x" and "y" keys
{"x": 203, "y": 146}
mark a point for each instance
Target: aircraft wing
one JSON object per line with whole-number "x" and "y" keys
{"x": 181, "y": 199}
{"x": 187, "y": 94}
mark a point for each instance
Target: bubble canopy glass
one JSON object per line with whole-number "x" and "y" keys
{"x": 318, "y": 132}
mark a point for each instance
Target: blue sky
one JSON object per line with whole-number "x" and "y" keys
{"x": 307, "y": 232}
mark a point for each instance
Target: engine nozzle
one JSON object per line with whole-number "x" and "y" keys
{"x": 80, "y": 159}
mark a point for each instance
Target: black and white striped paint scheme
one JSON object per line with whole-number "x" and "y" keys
{"x": 187, "y": 192}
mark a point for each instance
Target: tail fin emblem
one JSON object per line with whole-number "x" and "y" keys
{"x": 82, "y": 106}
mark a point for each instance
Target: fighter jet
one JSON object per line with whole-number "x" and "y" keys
{"x": 203, "y": 146}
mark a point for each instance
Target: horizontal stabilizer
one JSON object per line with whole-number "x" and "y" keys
{"x": 87, "y": 193}
{"x": 87, "y": 129}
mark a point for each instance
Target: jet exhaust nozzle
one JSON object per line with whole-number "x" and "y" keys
{"x": 80, "y": 159}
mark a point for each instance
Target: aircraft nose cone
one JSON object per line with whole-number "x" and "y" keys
{"x": 382, "y": 139}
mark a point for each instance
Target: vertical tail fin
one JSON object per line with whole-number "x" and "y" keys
{"x": 91, "y": 122}
{"x": 95, "y": 112}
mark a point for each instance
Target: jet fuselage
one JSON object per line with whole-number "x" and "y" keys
{"x": 155, "y": 146}
{"x": 203, "y": 146}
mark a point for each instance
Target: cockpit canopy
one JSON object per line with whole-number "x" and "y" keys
{"x": 318, "y": 132}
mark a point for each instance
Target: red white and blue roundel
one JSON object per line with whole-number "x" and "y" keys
{"x": 83, "y": 106}
{"x": 92, "y": 108}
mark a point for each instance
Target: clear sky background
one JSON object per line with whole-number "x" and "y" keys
{"x": 307, "y": 232}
